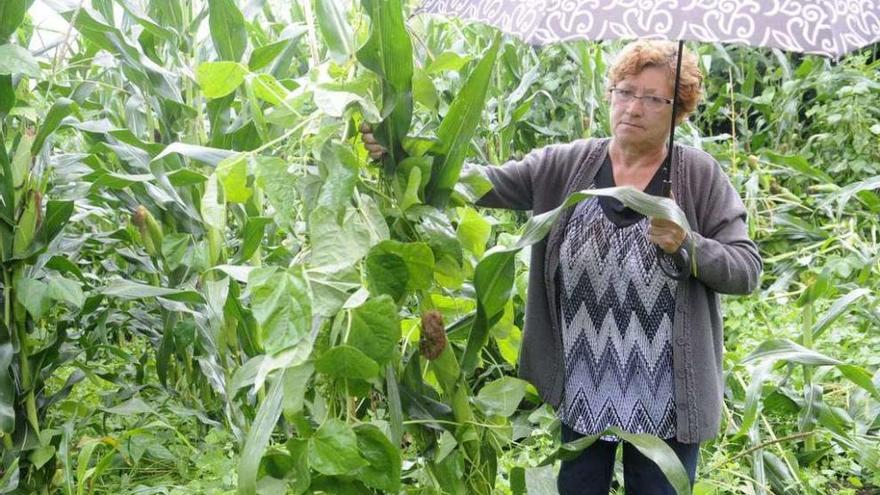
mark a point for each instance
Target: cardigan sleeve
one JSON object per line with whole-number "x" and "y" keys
{"x": 513, "y": 183}
{"x": 723, "y": 256}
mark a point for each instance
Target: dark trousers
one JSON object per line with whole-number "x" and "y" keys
{"x": 593, "y": 470}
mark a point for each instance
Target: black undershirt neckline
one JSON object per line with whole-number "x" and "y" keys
{"x": 620, "y": 215}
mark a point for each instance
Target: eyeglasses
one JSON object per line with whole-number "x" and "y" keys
{"x": 651, "y": 102}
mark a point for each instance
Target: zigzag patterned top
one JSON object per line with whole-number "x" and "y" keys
{"x": 616, "y": 310}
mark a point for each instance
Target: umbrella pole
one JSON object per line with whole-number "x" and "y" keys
{"x": 673, "y": 272}
{"x": 667, "y": 164}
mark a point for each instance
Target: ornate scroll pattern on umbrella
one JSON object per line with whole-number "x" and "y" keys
{"x": 825, "y": 27}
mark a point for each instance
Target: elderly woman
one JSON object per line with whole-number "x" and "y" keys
{"x": 609, "y": 339}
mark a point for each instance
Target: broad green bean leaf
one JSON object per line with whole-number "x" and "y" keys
{"x": 33, "y": 295}
{"x": 335, "y": 29}
{"x": 279, "y": 185}
{"x": 447, "y": 61}
{"x": 227, "y": 28}
{"x": 540, "y": 480}
{"x": 232, "y": 173}
{"x": 448, "y": 473}
{"x": 258, "y": 437}
{"x": 252, "y": 237}
{"x": 383, "y": 471}
{"x": 335, "y": 102}
{"x": 213, "y": 205}
{"x": 7, "y": 390}
{"x": 16, "y": 60}
{"x": 333, "y": 449}
{"x": 340, "y": 165}
{"x": 287, "y": 358}
{"x": 413, "y": 185}
{"x": 458, "y": 126}
{"x": 386, "y": 275}
{"x": 473, "y": 231}
{"x": 418, "y": 146}
{"x": 817, "y": 288}
{"x": 424, "y": 91}
{"x": 236, "y": 272}
{"x": 445, "y": 445}
{"x": 174, "y": 248}
{"x": 264, "y": 55}
{"x": 332, "y": 288}
{"x": 296, "y": 381}
{"x": 59, "y": 110}
{"x": 11, "y": 15}
{"x": 472, "y": 184}
{"x": 127, "y": 289}
{"x": 501, "y": 397}
{"x": 66, "y": 290}
{"x": 337, "y": 244}
{"x": 268, "y": 89}
{"x": 218, "y": 79}
{"x": 340, "y": 244}
{"x": 302, "y": 476}
{"x": 493, "y": 281}
{"x": 345, "y": 361}
{"x": 206, "y": 155}
{"x": 510, "y": 342}
{"x": 375, "y": 329}
{"x": 281, "y": 304}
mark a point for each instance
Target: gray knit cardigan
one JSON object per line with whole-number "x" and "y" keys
{"x": 727, "y": 262}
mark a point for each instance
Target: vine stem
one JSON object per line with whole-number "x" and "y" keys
{"x": 59, "y": 55}
{"x": 761, "y": 445}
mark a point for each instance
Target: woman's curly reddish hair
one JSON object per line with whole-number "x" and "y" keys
{"x": 639, "y": 55}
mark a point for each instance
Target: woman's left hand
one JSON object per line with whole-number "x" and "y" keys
{"x": 666, "y": 234}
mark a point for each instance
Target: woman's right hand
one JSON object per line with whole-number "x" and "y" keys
{"x": 372, "y": 146}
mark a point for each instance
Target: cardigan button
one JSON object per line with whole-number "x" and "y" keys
{"x": 680, "y": 341}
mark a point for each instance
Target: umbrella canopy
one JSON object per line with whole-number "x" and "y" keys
{"x": 827, "y": 27}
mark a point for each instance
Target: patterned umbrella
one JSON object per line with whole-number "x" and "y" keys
{"x": 824, "y": 27}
